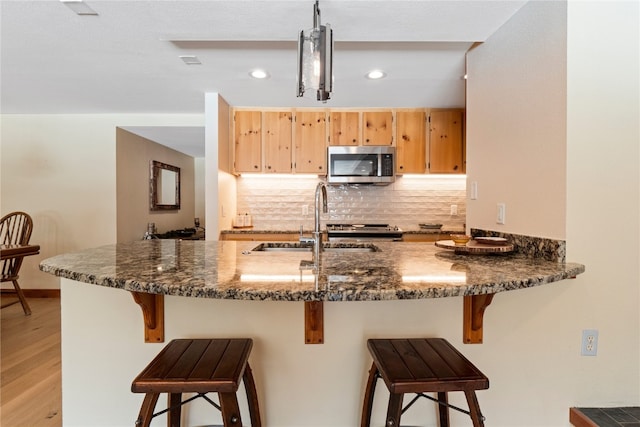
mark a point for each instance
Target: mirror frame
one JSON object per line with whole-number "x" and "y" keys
{"x": 155, "y": 170}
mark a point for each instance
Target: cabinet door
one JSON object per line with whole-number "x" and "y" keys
{"x": 247, "y": 138}
{"x": 411, "y": 142}
{"x": 311, "y": 146}
{"x": 344, "y": 128}
{"x": 377, "y": 128}
{"x": 445, "y": 142}
{"x": 277, "y": 141}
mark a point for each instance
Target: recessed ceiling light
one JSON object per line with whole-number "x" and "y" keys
{"x": 376, "y": 74}
{"x": 79, "y": 7}
{"x": 259, "y": 74}
{"x": 190, "y": 60}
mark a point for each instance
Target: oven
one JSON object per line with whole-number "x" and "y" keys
{"x": 363, "y": 233}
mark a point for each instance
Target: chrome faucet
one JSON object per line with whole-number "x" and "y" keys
{"x": 305, "y": 240}
{"x": 321, "y": 193}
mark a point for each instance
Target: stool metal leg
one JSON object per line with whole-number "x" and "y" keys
{"x": 394, "y": 410}
{"x": 443, "y": 410}
{"x": 368, "y": 396}
{"x": 146, "y": 410}
{"x": 474, "y": 408}
{"x": 175, "y": 403}
{"x": 252, "y": 397}
{"x": 230, "y": 410}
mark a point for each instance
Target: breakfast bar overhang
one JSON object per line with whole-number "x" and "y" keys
{"x": 151, "y": 269}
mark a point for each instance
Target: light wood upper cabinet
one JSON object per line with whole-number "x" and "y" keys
{"x": 377, "y": 128}
{"x": 311, "y": 142}
{"x": 344, "y": 128}
{"x": 277, "y": 141}
{"x": 411, "y": 142}
{"x": 446, "y": 153}
{"x": 247, "y": 137}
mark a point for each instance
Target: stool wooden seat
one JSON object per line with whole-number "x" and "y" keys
{"x": 198, "y": 366}
{"x": 421, "y": 365}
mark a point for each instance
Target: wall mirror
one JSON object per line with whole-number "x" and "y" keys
{"x": 164, "y": 186}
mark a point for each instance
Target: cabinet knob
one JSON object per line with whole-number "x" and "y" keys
{"x": 255, "y": 166}
{"x": 401, "y": 167}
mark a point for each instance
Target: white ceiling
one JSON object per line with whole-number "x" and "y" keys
{"x": 126, "y": 59}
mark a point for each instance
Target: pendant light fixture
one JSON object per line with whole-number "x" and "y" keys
{"x": 315, "y": 56}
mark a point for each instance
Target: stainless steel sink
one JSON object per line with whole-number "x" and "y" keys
{"x": 305, "y": 247}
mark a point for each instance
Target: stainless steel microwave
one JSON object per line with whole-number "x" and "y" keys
{"x": 361, "y": 165}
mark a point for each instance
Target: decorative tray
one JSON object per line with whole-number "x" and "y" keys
{"x": 475, "y": 247}
{"x": 498, "y": 241}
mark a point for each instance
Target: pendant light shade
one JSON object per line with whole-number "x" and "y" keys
{"x": 315, "y": 56}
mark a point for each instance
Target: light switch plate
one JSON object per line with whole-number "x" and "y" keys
{"x": 500, "y": 218}
{"x": 474, "y": 190}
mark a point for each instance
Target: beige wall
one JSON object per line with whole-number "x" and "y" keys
{"x": 61, "y": 169}
{"x": 516, "y": 124}
{"x": 603, "y": 191}
{"x": 133, "y": 155}
{"x": 518, "y": 134}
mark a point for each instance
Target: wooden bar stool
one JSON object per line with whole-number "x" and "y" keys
{"x": 422, "y": 365}
{"x": 198, "y": 366}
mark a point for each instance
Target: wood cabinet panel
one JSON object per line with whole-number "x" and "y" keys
{"x": 377, "y": 128}
{"x": 277, "y": 140}
{"x": 411, "y": 142}
{"x": 344, "y": 128}
{"x": 247, "y": 139}
{"x": 446, "y": 152}
{"x": 310, "y": 142}
{"x": 420, "y": 238}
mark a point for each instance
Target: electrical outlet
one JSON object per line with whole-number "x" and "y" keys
{"x": 589, "y": 342}
{"x": 305, "y": 210}
{"x": 454, "y": 210}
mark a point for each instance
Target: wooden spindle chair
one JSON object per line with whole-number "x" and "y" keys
{"x": 15, "y": 229}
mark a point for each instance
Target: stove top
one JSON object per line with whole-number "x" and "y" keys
{"x": 364, "y": 232}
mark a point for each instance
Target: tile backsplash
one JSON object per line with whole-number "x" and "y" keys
{"x": 277, "y": 203}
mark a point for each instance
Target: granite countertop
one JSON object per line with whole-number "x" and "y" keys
{"x": 232, "y": 270}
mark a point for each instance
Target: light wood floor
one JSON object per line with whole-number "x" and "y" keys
{"x": 30, "y": 392}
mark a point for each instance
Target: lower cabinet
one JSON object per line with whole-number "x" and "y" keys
{"x": 420, "y": 238}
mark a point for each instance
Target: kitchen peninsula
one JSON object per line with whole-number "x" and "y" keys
{"x": 227, "y": 289}
{"x": 245, "y": 271}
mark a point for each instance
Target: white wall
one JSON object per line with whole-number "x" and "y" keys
{"x": 61, "y": 169}
{"x": 220, "y": 185}
{"x": 603, "y": 145}
{"x": 516, "y": 153}
{"x": 516, "y": 123}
